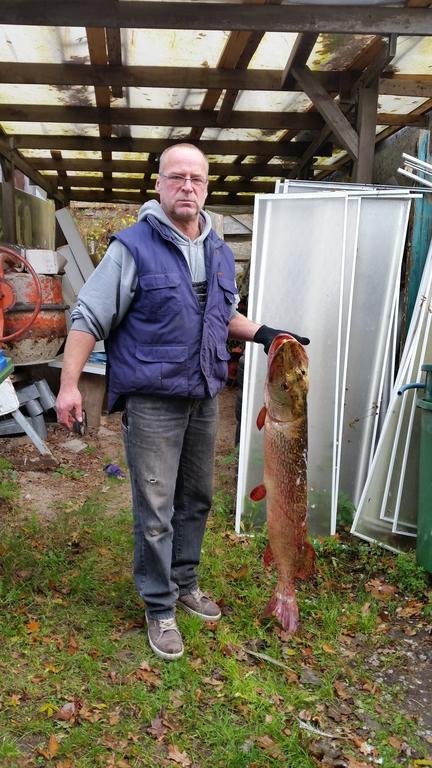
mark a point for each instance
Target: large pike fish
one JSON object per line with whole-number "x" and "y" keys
{"x": 284, "y": 418}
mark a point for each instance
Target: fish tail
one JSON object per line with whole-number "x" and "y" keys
{"x": 307, "y": 566}
{"x": 283, "y": 605}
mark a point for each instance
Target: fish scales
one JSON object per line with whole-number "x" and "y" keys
{"x": 284, "y": 418}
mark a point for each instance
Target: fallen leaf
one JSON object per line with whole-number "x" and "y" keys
{"x": 157, "y": 728}
{"x": 341, "y": 690}
{"x": 67, "y": 712}
{"x": 353, "y": 763}
{"x": 15, "y": 699}
{"x": 176, "y": 756}
{"x": 328, "y": 648}
{"x": 53, "y": 747}
{"x": 148, "y": 676}
{"x": 33, "y": 627}
{"x": 394, "y": 742}
{"x": 380, "y": 589}
{"x": 73, "y": 646}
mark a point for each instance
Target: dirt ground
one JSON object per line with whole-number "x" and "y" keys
{"x": 79, "y": 464}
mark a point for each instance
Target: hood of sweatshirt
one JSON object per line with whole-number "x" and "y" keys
{"x": 154, "y": 208}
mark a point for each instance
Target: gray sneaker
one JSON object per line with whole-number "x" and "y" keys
{"x": 165, "y": 638}
{"x": 199, "y": 604}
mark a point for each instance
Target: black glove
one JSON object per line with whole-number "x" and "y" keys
{"x": 265, "y": 335}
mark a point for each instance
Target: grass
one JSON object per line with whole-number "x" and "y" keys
{"x": 81, "y": 689}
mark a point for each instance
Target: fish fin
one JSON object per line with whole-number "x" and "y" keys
{"x": 268, "y": 556}
{"x": 283, "y": 605}
{"x": 261, "y": 417}
{"x": 258, "y": 493}
{"x": 308, "y": 565}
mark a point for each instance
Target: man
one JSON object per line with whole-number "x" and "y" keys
{"x": 164, "y": 297}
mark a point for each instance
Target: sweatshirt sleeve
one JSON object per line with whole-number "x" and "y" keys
{"x": 106, "y": 296}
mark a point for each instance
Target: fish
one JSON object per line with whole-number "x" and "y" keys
{"x": 284, "y": 419}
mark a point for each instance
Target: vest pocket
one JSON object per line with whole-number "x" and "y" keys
{"x": 162, "y": 369}
{"x": 160, "y": 295}
{"x": 221, "y": 362}
{"x": 227, "y": 296}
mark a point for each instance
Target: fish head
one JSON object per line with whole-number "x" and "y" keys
{"x": 287, "y": 377}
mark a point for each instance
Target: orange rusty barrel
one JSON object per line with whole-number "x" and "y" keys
{"x": 47, "y": 333}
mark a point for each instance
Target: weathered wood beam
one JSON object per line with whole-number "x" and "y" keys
{"x": 8, "y": 201}
{"x": 128, "y": 182}
{"x": 96, "y": 40}
{"x": 299, "y": 55}
{"x": 113, "y": 42}
{"x": 328, "y": 108}
{"x": 366, "y": 128}
{"x": 204, "y": 119}
{"x": 17, "y": 73}
{"x": 134, "y": 14}
{"x": 128, "y": 196}
{"x": 8, "y": 151}
{"x": 166, "y": 117}
{"x": 126, "y": 144}
{"x": 246, "y": 170}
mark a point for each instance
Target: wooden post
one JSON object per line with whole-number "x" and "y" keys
{"x": 366, "y": 127}
{"x": 8, "y": 202}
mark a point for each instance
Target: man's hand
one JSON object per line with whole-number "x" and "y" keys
{"x": 69, "y": 406}
{"x": 265, "y": 336}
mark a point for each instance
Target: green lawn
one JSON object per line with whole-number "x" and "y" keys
{"x": 81, "y": 689}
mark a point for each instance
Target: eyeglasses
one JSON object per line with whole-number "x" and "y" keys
{"x": 178, "y": 180}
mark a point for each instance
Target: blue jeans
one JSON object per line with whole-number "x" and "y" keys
{"x": 169, "y": 444}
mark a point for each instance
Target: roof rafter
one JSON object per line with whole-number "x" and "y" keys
{"x": 147, "y": 14}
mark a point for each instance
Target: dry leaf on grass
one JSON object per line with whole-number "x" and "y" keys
{"x": 178, "y": 757}
{"x": 380, "y": 589}
{"x": 53, "y": 747}
{"x": 33, "y": 627}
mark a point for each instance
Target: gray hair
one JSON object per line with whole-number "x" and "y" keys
{"x": 185, "y": 144}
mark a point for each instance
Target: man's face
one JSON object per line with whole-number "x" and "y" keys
{"x": 181, "y": 199}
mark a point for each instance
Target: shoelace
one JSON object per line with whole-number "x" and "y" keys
{"x": 167, "y": 624}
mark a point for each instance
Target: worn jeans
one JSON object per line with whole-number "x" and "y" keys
{"x": 169, "y": 444}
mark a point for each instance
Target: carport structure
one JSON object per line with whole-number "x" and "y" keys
{"x": 92, "y": 92}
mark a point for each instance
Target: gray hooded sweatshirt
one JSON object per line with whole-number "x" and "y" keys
{"x": 105, "y": 298}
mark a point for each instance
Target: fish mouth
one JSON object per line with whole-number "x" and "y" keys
{"x": 288, "y": 380}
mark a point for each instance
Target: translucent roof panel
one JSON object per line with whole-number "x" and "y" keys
{"x": 205, "y": 58}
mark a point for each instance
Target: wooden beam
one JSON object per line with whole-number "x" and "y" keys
{"x": 329, "y": 109}
{"x": 299, "y": 55}
{"x": 246, "y": 170}
{"x": 96, "y": 40}
{"x": 366, "y": 127}
{"x": 113, "y": 43}
{"x": 166, "y": 117}
{"x": 129, "y": 182}
{"x": 17, "y": 73}
{"x": 126, "y": 144}
{"x": 8, "y": 151}
{"x": 8, "y": 201}
{"x": 205, "y": 119}
{"x": 145, "y": 14}
{"x": 128, "y": 196}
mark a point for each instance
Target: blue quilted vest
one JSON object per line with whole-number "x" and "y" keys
{"x": 165, "y": 344}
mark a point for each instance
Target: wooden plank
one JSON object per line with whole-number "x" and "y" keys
{"x": 160, "y": 77}
{"x": 8, "y": 201}
{"x": 245, "y": 170}
{"x": 299, "y": 55}
{"x": 329, "y": 109}
{"x": 126, "y": 144}
{"x": 134, "y": 14}
{"x": 8, "y": 151}
{"x": 366, "y": 127}
{"x": 129, "y": 196}
{"x": 166, "y": 117}
{"x": 73, "y": 237}
{"x": 275, "y": 121}
{"x": 121, "y": 182}
{"x": 113, "y": 43}
{"x": 392, "y": 84}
